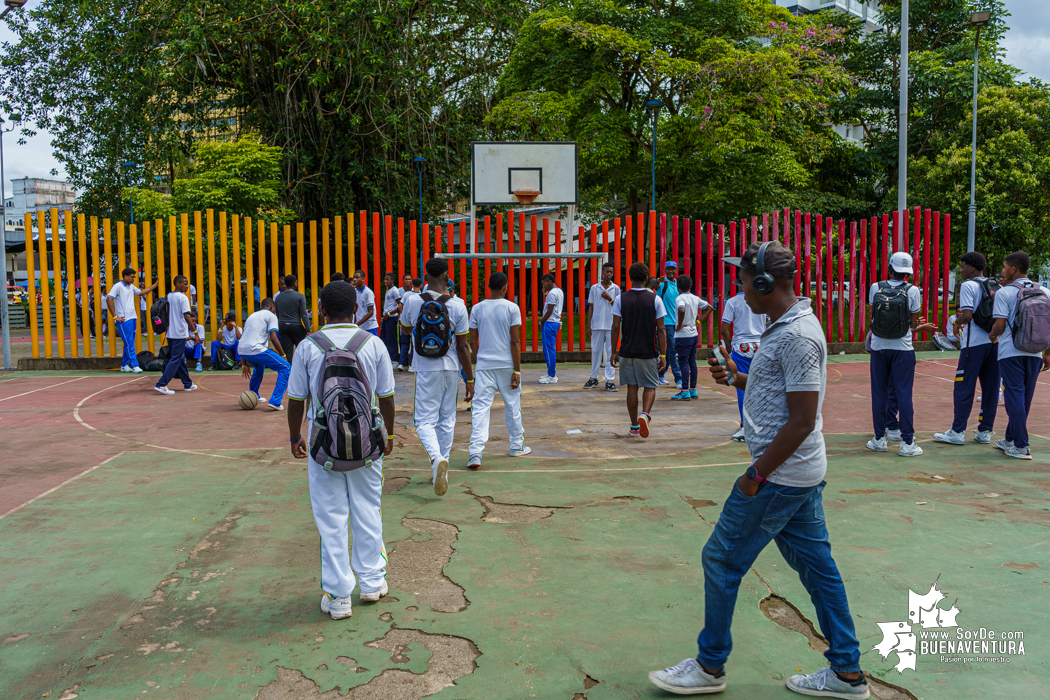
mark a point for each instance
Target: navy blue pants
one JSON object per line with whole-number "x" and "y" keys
{"x": 893, "y": 369}
{"x": 1019, "y": 377}
{"x": 405, "y": 342}
{"x": 389, "y": 336}
{"x": 685, "y": 349}
{"x": 980, "y": 362}
{"x": 176, "y": 366}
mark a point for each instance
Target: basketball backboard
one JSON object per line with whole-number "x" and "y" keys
{"x": 540, "y": 172}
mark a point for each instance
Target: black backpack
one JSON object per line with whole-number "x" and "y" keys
{"x": 158, "y": 314}
{"x": 433, "y": 332}
{"x": 982, "y": 315}
{"x": 890, "y": 314}
{"x": 224, "y": 359}
{"x": 157, "y": 364}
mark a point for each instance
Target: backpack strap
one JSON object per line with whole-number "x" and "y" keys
{"x": 322, "y": 341}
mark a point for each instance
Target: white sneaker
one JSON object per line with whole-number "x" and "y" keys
{"x": 1018, "y": 452}
{"x": 825, "y": 683}
{"x": 678, "y": 385}
{"x": 894, "y": 435}
{"x": 164, "y": 390}
{"x": 662, "y": 381}
{"x": 687, "y": 678}
{"x": 983, "y": 436}
{"x": 474, "y": 462}
{"x": 338, "y": 608}
{"x": 191, "y": 387}
{"x": 400, "y": 368}
{"x": 125, "y": 368}
{"x": 135, "y": 370}
{"x": 1004, "y": 445}
{"x": 374, "y": 596}
{"x": 275, "y": 407}
{"x": 261, "y": 399}
{"x": 525, "y": 450}
{"x": 877, "y": 444}
{"x": 441, "y": 478}
{"x": 547, "y": 379}
{"x": 910, "y": 449}
{"x": 951, "y": 437}
{"x": 738, "y": 436}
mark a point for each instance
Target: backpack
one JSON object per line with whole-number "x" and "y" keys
{"x": 158, "y": 314}
{"x": 982, "y": 315}
{"x": 433, "y": 332}
{"x": 349, "y": 430}
{"x": 1031, "y": 330}
{"x": 890, "y": 316}
{"x": 157, "y": 363}
{"x": 224, "y": 359}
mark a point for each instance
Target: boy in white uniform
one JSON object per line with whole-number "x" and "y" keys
{"x": 353, "y": 498}
{"x": 495, "y": 338}
{"x": 195, "y": 342}
{"x": 600, "y": 300}
{"x": 437, "y": 378}
{"x": 550, "y": 325}
{"x": 391, "y": 312}
{"x": 405, "y": 339}
{"x": 231, "y": 336}
{"x": 260, "y": 329}
{"x": 689, "y": 309}
{"x": 178, "y": 330}
{"x": 366, "y": 305}
{"x": 121, "y": 303}
{"x": 747, "y": 329}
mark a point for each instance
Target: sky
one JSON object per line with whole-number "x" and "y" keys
{"x": 1027, "y": 47}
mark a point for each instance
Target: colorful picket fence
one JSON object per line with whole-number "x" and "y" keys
{"x": 225, "y": 256}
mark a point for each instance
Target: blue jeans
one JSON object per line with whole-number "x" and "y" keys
{"x": 672, "y": 359}
{"x": 550, "y": 347}
{"x": 979, "y": 362}
{"x": 127, "y": 331}
{"x": 216, "y": 344}
{"x": 269, "y": 360}
{"x": 794, "y": 518}
{"x": 176, "y": 366}
{"x": 743, "y": 365}
{"x": 685, "y": 349}
{"x": 196, "y": 351}
{"x": 405, "y": 342}
{"x": 892, "y": 374}
{"x": 1019, "y": 378}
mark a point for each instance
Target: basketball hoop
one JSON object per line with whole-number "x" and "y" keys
{"x": 525, "y": 197}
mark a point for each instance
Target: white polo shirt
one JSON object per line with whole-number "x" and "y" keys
{"x": 178, "y": 306}
{"x": 255, "y": 337}
{"x": 557, "y": 298}
{"x": 692, "y": 305}
{"x": 748, "y": 326}
{"x": 390, "y": 299}
{"x": 229, "y": 337}
{"x": 365, "y": 299}
{"x": 601, "y": 308}
{"x": 493, "y": 319}
{"x": 970, "y": 295}
{"x": 190, "y": 342}
{"x": 123, "y": 296}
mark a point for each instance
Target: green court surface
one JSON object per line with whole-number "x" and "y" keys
{"x": 190, "y": 569}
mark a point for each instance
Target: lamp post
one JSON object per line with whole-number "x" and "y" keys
{"x": 902, "y": 122}
{"x": 977, "y": 20}
{"x": 421, "y": 163}
{"x": 653, "y": 107}
{"x": 130, "y": 167}
{"x": 5, "y": 323}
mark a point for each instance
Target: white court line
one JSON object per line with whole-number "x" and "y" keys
{"x": 7, "y": 398}
{"x": 56, "y": 488}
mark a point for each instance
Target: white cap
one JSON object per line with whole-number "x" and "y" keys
{"x": 901, "y": 262}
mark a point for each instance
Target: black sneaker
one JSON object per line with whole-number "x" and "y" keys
{"x": 591, "y": 383}
{"x": 609, "y": 386}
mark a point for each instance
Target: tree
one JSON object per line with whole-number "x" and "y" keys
{"x": 149, "y": 204}
{"x": 1013, "y": 173}
{"x": 745, "y": 84}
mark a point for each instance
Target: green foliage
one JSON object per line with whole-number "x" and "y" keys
{"x": 745, "y": 84}
{"x": 149, "y": 204}
{"x": 1013, "y": 173}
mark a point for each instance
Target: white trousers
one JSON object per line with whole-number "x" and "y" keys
{"x": 435, "y": 411}
{"x": 353, "y": 497}
{"x": 601, "y": 340}
{"x": 486, "y": 383}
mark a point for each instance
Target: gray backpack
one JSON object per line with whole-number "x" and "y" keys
{"x": 349, "y": 432}
{"x": 1031, "y": 330}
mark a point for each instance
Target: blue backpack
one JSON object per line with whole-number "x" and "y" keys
{"x": 433, "y": 332}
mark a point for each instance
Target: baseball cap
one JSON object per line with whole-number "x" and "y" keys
{"x": 779, "y": 260}
{"x": 230, "y": 316}
{"x": 901, "y": 262}
{"x": 671, "y": 263}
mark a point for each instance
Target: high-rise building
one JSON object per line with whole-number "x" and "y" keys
{"x": 867, "y": 10}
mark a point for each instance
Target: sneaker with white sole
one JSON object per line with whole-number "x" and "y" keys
{"x": 609, "y": 386}
{"x": 894, "y": 435}
{"x": 164, "y": 390}
{"x": 200, "y": 367}
{"x": 136, "y": 370}
{"x": 374, "y": 596}
{"x": 983, "y": 436}
{"x": 275, "y": 407}
{"x": 338, "y": 608}
{"x": 825, "y": 683}
{"x": 909, "y": 449}
{"x": 877, "y": 444}
{"x": 525, "y": 450}
{"x": 441, "y": 477}
{"x": 678, "y": 384}
{"x": 261, "y": 399}
{"x": 474, "y": 462}
{"x": 1018, "y": 452}
{"x": 738, "y": 436}
{"x": 591, "y": 383}
{"x": 400, "y": 368}
{"x": 547, "y": 379}
{"x": 662, "y": 381}
{"x": 191, "y": 387}
{"x": 1004, "y": 445}
{"x": 951, "y": 437}
{"x": 688, "y": 678}
{"x": 125, "y": 368}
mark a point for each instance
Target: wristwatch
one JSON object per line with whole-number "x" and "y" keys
{"x": 753, "y": 474}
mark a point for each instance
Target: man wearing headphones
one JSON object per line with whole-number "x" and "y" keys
{"x": 779, "y": 496}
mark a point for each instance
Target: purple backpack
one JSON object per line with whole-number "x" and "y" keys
{"x": 349, "y": 432}
{"x": 1031, "y": 330}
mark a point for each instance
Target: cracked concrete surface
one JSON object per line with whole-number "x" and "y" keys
{"x": 417, "y": 565}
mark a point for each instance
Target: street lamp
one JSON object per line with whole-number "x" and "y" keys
{"x": 5, "y": 324}
{"x": 977, "y": 20}
{"x": 902, "y": 120}
{"x": 12, "y": 5}
{"x": 420, "y": 163}
{"x": 653, "y": 107}
{"x": 130, "y": 166}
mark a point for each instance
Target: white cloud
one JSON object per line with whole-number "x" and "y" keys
{"x": 1028, "y": 41}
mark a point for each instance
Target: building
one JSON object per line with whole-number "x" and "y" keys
{"x": 33, "y": 194}
{"x": 867, "y": 10}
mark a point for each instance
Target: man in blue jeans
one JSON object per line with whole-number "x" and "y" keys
{"x": 667, "y": 290}
{"x": 256, "y": 357}
{"x": 779, "y": 496}
{"x": 553, "y": 301}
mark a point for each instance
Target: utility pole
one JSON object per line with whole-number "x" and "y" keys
{"x": 902, "y": 126}
{"x": 977, "y": 20}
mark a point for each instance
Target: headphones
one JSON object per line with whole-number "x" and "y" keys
{"x": 763, "y": 282}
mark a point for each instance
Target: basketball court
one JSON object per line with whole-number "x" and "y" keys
{"x": 158, "y": 546}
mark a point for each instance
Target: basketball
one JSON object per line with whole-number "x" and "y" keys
{"x": 248, "y": 400}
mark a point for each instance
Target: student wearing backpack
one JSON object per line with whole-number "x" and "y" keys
{"x": 979, "y": 359}
{"x": 550, "y": 325}
{"x": 440, "y": 327}
{"x": 177, "y": 329}
{"x": 495, "y": 335}
{"x": 1022, "y": 327}
{"x": 121, "y": 303}
{"x": 896, "y": 308}
{"x": 260, "y": 329}
{"x": 405, "y": 357}
{"x": 344, "y": 502}
{"x": 366, "y": 304}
